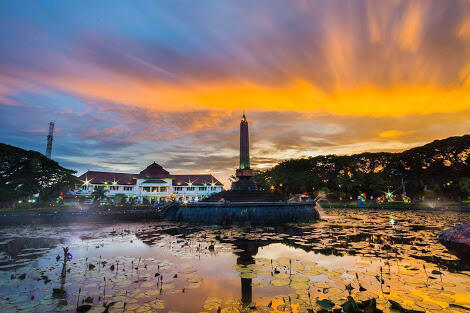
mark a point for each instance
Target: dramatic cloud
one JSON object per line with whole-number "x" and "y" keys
{"x": 127, "y": 84}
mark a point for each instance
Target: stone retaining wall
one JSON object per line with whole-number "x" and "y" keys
{"x": 241, "y": 213}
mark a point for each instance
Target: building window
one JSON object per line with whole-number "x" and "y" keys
{"x": 213, "y": 188}
{"x": 163, "y": 189}
{"x": 147, "y": 189}
{"x": 84, "y": 187}
{"x": 113, "y": 187}
{"x": 202, "y": 188}
{"x": 127, "y": 188}
{"x": 190, "y": 189}
{"x": 178, "y": 188}
{"x": 154, "y": 189}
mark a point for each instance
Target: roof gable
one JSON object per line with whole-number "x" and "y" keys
{"x": 154, "y": 170}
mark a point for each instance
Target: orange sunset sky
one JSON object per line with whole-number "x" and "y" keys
{"x": 129, "y": 83}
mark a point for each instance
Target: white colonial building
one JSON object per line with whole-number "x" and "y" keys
{"x": 153, "y": 184}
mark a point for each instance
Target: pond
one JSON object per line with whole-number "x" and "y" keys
{"x": 349, "y": 257}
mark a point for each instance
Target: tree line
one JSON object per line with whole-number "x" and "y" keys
{"x": 439, "y": 169}
{"x": 24, "y": 174}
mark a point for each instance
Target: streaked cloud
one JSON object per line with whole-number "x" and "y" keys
{"x": 129, "y": 84}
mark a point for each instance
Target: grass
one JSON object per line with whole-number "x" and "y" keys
{"x": 70, "y": 208}
{"x": 336, "y": 204}
{"x": 41, "y": 209}
{"x": 395, "y": 204}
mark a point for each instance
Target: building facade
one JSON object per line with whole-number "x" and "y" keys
{"x": 152, "y": 185}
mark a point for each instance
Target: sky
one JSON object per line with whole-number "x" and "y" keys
{"x": 132, "y": 82}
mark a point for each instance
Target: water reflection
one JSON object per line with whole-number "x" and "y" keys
{"x": 233, "y": 269}
{"x": 246, "y": 257}
{"x": 17, "y": 252}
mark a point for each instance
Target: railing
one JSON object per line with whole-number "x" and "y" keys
{"x": 159, "y": 193}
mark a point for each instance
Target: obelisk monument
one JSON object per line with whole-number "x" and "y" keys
{"x": 244, "y": 173}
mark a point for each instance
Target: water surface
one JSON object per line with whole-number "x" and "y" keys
{"x": 168, "y": 267}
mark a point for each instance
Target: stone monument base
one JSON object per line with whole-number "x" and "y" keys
{"x": 267, "y": 213}
{"x": 246, "y": 184}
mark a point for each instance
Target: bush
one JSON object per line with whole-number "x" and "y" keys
{"x": 23, "y": 206}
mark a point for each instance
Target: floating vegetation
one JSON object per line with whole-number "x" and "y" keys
{"x": 353, "y": 261}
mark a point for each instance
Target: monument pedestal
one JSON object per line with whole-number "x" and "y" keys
{"x": 245, "y": 180}
{"x": 248, "y": 185}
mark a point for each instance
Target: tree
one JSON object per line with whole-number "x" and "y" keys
{"x": 120, "y": 198}
{"x": 99, "y": 193}
{"x": 464, "y": 185}
{"x": 26, "y": 173}
{"x": 438, "y": 165}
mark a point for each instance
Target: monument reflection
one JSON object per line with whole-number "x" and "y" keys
{"x": 246, "y": 257}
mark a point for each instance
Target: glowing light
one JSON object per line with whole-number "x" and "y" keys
{"x": 69, "y": 256}
{"x": 114, "y": 182}
{"x": 392, "y": 221}
{"x": 86, "y": 182}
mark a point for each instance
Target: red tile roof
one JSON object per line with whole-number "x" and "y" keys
{"x": 198, "y": 180}
{"x": 152, "y": 171}
{"x": 95, "y": 177}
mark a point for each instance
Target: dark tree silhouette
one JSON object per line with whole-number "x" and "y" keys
{"x": 25, "y": 173}
{"x": 435, "y": 169}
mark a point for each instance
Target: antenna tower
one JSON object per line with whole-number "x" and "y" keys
{"x": 49, "y": 140}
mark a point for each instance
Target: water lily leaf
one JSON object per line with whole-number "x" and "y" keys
{"x": 280, "y": 282}
{"x": 397, "y": 306}
{"x": 56, "y": 292}
{"x": 458, "y": 306}
{"x": 371, "y": 306}
{"x": 351, "y": 306}
{"x": 83, "y": 308}
{"x": 326, "y": 304}
{"x": 248, "y": 275}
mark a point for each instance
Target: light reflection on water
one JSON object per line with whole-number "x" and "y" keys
{"x": 170, "y": 267}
